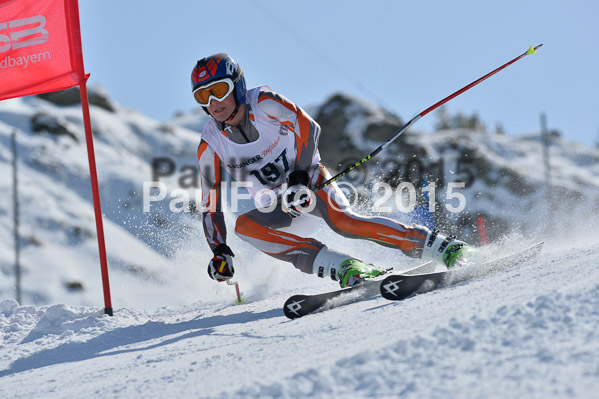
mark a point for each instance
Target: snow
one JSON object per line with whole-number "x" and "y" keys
{"x": 528, "y": 331}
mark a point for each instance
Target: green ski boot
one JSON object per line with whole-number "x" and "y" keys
{"x": 447, "y": 250}
{"x": 343, "y": 268}
{"x": 354, "y": 271}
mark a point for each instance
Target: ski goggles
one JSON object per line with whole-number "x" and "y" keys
{"x": 218, "y": 91}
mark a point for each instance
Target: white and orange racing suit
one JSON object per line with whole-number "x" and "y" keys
{"x": 276, "y": 138}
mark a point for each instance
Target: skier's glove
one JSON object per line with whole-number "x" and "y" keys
{"x": 298, "y": 197}
{"x": 220, "y": 267}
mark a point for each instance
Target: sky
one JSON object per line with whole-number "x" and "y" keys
{"x": 403, "y": 55}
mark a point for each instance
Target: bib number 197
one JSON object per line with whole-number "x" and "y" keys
{"x": 271, "y": 172}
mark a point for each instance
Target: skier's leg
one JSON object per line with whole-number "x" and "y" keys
{"x": 334, "y": 208}
{"x": 269, "y": 232}
{"x": 414, "y": 240}
{"x": 265, "y": 232}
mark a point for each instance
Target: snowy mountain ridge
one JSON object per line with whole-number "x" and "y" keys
{"x": 57, "y": 221}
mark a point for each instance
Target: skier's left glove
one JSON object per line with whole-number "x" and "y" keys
{"x": 298, "y": 197}
{"x": 220, "y": 267}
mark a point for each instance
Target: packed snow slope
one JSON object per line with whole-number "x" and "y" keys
{"x": 528, "y": 332}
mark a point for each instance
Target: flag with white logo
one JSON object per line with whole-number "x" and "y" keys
{"x": 40, "y": 47}
{"x": 40, "y": 52}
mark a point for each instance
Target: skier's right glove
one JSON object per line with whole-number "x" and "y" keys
{"x": 298, "y": 197}
{"x": 220, "y": 267}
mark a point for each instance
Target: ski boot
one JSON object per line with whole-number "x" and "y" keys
{"x": 354, "y": 271}
{"x": 343, "y": 268}
{"x": 447, "y": 250}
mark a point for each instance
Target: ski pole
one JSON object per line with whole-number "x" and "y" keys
{"x": 240, "y": 299}
{"x": 395, "y": 135}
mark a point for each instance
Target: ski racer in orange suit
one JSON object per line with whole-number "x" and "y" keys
{"x": 270, "y": 144}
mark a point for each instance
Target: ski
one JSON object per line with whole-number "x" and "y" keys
{"x": 400, "y": 286}
{"x": 301, "y": 305}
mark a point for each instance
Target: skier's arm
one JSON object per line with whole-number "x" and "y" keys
{"x": 297, "y": 123}
{"x": 212, "y": 215}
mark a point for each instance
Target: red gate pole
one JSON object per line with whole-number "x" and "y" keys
{"x": 96, "y": 195}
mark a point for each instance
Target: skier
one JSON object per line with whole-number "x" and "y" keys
{"x": 267, "y": 142}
